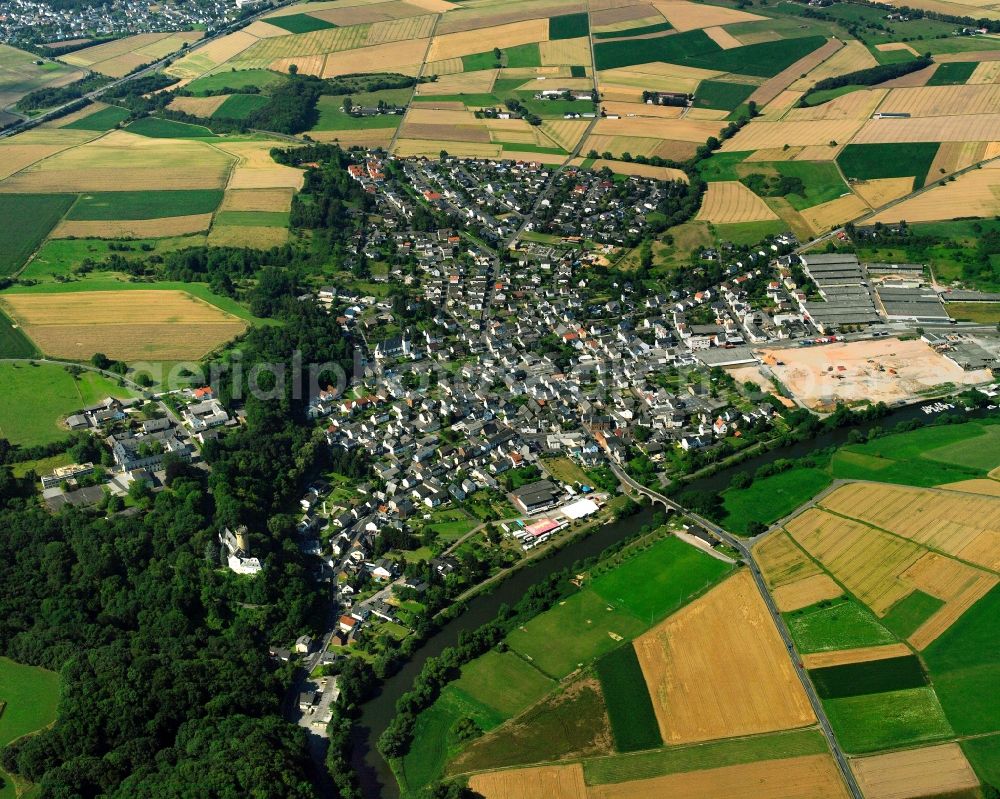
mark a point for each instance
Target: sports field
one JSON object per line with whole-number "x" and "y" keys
{"x": 128, "y": 325}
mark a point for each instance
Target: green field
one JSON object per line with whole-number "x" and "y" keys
{"x": 985, "y": 313}
{"x": 105, "y": 119}
{"x": 964, "y": 663}
{"x": 873, "y": 161}
{"x": 822, "y": 181}
{"x": 721, "y": 166}
{"x": 27, "y": 220}
{"x": 630, "y": 709}
{"x": 721, "y": 95}
{"x": 657, "y": 581}
{"x": 642, "y": 30}
{"x": 156, "y": 128}
{"x": 36, "y": 397}
{"x": 836, "y": 624}
{"x": 696, "y": 49}
{"x": 583, "y": 625}
{"x": 476, "y": 61}
{"x": 957, "y": 44}
{"x": 872, "y": 722}
{"x": 240, "y": 106}
{"x": 333, "y": 117}
{"x": 568, "y": 723}
{"x": 872, "y": 677}
{"x": 13, "y": 342}
{"x": 144, "y": 204}
{"x": 524, "y": 55}
{"x": 984, "y": 755}
{"x": 252, "y": 219}
{"x": 503, "y": 683}
{"x": 825, "y": 95}
{"x": 61, "y": 256}
{"x": 28, "y": 700}
{"x": 770, "y": 498}
{"x": 569, "y": 26}
{"x": 750, "y": 232}
{"x": 957, "y": 72}
{"x": 236, "y": 79}
{"x": 910, "y": 612}
{"x": 300, "y": 23}
{"x": 678, "y": 759}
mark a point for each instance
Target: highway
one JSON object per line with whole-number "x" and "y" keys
{"x": 779, "y": 622}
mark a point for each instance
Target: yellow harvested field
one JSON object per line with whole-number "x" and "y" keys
{"x": 912, "y": 80}
{"x": 112, "y": 49}
{"x": 976, "y": 193}
{"x": 973, "y": 10}
{"x": 477, "y": 82}
{"x": 211, "y": 55}
{"x": 448, "y": 66}
{"x": 931, "y": 101}
{"x": 248, "y": 236}
{"x": 616, "y": 145}
{"x": 706, "y": 113}
{"x": 552, "y": 782}
{"x": 609, "y": 20}
{"x": 805, "y": 592}
{"x": 638, "y": 73}
{"x": 395, "y": 56}
{"x": 807, "y": 777}
{"x": 858, "y": 105}
{"x": 198, "y": 106}
{"x": 959, "y": 585}
{"x": 255, "y": 169}
{"x": 416, "y": 147}
{"x": 362, "y": 137}
{"x": 819, "y": 152}
{"x": 646, "y": 110}
{"x": 723, "y": 38}
{"x": 119, "y": 57}
{"x": 890, "y": 47}
{"x": 133, "y": 228}
{"x": 642, "y": 170}
{"x": 315, "y": 43}
{"x": 865, "y": 654}
{"x": 730, "y": 201}
{"x": 565, "y": 51}
{"x": 452, "y": 45}
{"x": 781, "y": 561}
{"x": 761, "y": 135}
{"x": 306, "y": 64}
{"x": 487, "y": 13}
{"x": 257, "y": 200}
{"x": 772, "y": 87}
{"x": 961, "y": 525}
{"x": 918, "y": 367}
{"x": 263, "y": 30}
{"x": 824, "y": 216}
{"x": 975, "y": 486}
{"x": 436, "y": 6}
{"x": 449, "y": 133}
{"x": 399, "y": 30}
{"x": 533, "y": 158}
{"x": 852, "y": 57}
{"x": 780, "y": 105}
{"x": 418, "y": 115}
{"x": 516, "y": 131}
{"x": 867, "y": 561}
{"x": 686, "y": 16}
{"x": 125, "y": 325}
{"x": 373, "y": 12}
{"x": 959, "y": 127}
{"x": 15, "y": 156}
{"x": 952, "y": 156}
{"x": 986, "y": 72}
{"x": 565, "y": 132}
{"x": 928, "y": 771}
{"x": 694, "y": 663}
{"x": 122, "y": 161}
{"x": 882, "y": 190}
{"x": 692, "y": 130}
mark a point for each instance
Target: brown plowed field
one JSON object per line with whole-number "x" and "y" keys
{"x": 927, "y": 771}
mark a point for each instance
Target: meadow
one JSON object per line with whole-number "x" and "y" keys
{"x": 503, "y": 682}
{"x": 722, "y": 95}
{"x": 28, "y": 699}
{"x": 38, "y": 396}
{"x": 836, "y": 624}
{"x": 234, "y": 79}
{"x": 240, "y": 106}
{"x": 770, "y": 498}
{"x": 910, "y": 612}
{"x": 144, "y": 204}
{"x": 872, "y": 722}
{"x": 104, "y": 119}
{"x": 300, "y": 23}
{"x": 658, "y": 580}
{"x": 28, "y": 219}
{"x": 156, "y": 128}
{"x": 569, "y": 26}
{"x": 869, "y": 677}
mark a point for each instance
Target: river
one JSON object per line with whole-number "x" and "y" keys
{"x": 376, "y": 778}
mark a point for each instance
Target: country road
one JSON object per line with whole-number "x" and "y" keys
{"x": 779, "y": 622}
